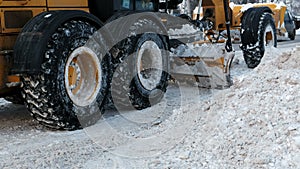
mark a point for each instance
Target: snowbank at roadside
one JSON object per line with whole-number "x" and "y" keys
{"x": 253, "y": 124}
{"x": 259, "y": 124}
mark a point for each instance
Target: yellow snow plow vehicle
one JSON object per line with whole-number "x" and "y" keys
{"x": 258, "y": 25}
{"x": 64, "y": 58}
{"x": 270, "y": 18}
{"x": 285, "y": 23}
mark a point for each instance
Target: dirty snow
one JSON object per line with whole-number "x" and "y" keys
{"x": 253, "y": 124}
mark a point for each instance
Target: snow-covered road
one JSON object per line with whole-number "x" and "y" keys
{"x": 253, "y": 124}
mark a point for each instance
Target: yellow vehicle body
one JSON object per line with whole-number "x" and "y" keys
{"x": 14, "y": 15}
{"x": 255, "y": 26}
{"x": 236, "y": 13}
{"x": 277, "y": 9}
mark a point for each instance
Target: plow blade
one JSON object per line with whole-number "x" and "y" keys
{"x": 208, "y": 63}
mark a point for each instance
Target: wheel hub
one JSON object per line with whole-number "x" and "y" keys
{"x": 269, "y": 36}
{"x": 149, "y": 65}
{"x": 83, "y": 76}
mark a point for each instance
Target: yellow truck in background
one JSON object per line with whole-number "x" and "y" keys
{"x": 284, "y": 22}
{"x": 257, "y": 25}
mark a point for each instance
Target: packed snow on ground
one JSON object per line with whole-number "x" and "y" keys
{"x": 253, "y": 124}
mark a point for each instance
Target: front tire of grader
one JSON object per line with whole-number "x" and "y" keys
{"x": 141, "y": 79}
{"x": 258, "y": 33}
{"x": 69, "y": 90}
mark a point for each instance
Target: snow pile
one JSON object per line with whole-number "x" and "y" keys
{"x": 254, "y": 124}
{"x": 280, "y": 4}
{"x": 285, "y": 61}
{"x": 246, "y": 7}
{"x": 259, "y": 124}
{"x": 3, "y": 103}
{"x": 185, "y": 29}
{"x": 195, "y": 50}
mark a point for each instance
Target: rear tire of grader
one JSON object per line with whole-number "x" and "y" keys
{"x": 140, "y": 78}
{"x": 69, "y": 91}
{"x": 292, "y": 35}
{"x": 257, "y": 32}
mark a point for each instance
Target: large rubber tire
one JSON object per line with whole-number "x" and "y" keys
{"x": 69, "y": 91}
{"x": 143, "y": 58}
{"x": 292, "y": 35}
{"x": 257, "y": 32}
